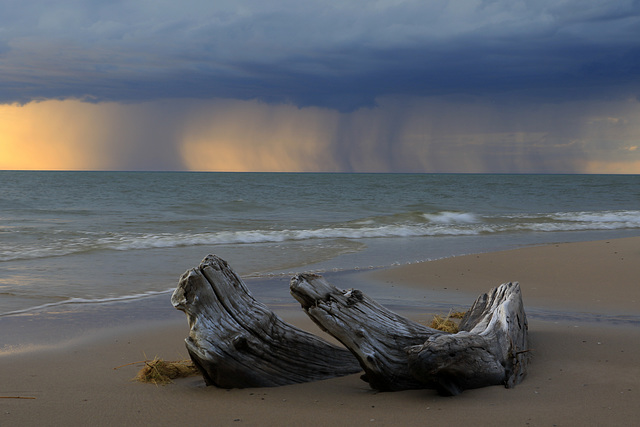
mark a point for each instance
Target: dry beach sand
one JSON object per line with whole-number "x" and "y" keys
{"x": 583, "y": 303}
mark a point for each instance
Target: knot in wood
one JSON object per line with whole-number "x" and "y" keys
{"x": 240, "y": 342}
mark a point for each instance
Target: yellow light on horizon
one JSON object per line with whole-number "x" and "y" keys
{"x": 49, "y": 135}
{"x": 612, "y": 167}
{"x": 250, "y": 136}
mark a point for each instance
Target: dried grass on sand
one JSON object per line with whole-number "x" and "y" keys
{"x": 158, "y": 371}
{"x": 445, "y": 323}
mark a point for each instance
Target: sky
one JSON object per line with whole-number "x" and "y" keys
{"x": 505, "y": 86}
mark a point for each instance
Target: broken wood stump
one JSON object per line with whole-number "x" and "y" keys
{"x": 397, "y": 353}
{"x": 490, "y": 349}
{"x": 236, "y": 341}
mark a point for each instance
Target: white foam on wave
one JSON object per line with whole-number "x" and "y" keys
{"x": 443, "y": 223}
{"x": 627, "y": 218}
{"x": 452, "y": 218}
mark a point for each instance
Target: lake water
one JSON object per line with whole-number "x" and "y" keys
{"x": 75, "y": 238}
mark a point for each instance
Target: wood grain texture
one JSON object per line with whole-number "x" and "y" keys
{"x": 375, "y": 335}
{"x": 397, "y": 353}
{"x": 491, "y": 348}
{"x": 236, "y": 341}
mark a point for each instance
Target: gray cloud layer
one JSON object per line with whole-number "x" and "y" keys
{"x": 341, "y": 55}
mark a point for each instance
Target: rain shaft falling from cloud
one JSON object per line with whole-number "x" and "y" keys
{"x": 400, "y": 134}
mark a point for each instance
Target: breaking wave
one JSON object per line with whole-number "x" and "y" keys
{"x": 407, "y": 224}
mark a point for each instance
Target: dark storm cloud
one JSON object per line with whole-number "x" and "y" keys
{"x": 340, "y": 55}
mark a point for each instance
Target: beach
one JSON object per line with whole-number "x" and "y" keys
{"x": 583, "y": 304}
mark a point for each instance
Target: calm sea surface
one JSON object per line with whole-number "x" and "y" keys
{"x": 74, "y": 238}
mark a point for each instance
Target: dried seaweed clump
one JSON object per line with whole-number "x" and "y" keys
{"x": 445, "y": 324}
{"x": 158, "y": 371}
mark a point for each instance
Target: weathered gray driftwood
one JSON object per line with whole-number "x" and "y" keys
{"x": 491, "y": 347}
{"x": 236, "y": 341}
{"x": 376, "y": 336}
{"x": 397, "y": 353}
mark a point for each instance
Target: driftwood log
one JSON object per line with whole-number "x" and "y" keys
{"x": 397, "y": 353}
{"x": 376, "y": 336}
{"x": 236, "y": 341}
{"x": 491, "y": 348}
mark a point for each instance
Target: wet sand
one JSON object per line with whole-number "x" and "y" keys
{"x": 584, "y": 323}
